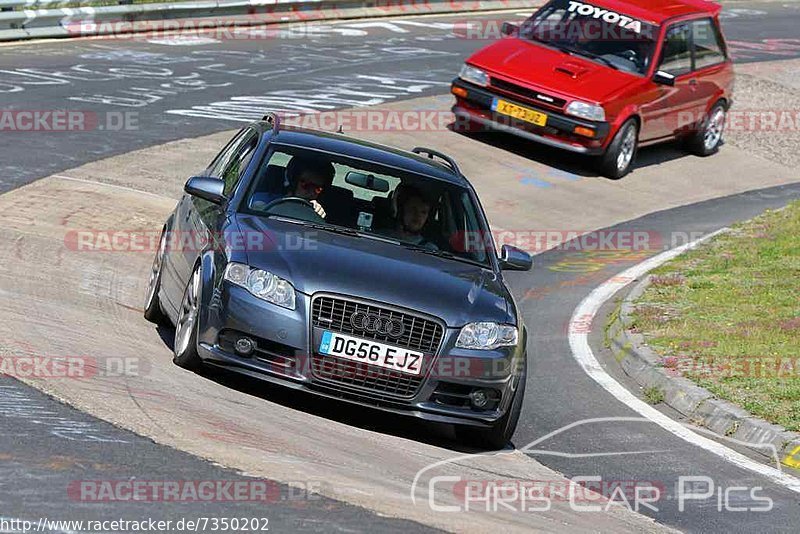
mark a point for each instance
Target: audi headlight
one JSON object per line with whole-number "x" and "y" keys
{"x": 487, "y": 336}
{"x": 474, "y": 75}
{"x": 584, "y": 110}
{"x": 262, "y": 284}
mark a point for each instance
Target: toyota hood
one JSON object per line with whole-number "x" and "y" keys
{"x": 320, "y": 261}
{"x": 553, "y": 71}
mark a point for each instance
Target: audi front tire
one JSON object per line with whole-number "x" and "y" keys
{"x": 185, "y": 347}
{"x": 498, "y": 436}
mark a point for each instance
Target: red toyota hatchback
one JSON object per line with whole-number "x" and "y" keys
{"x": 604, "y": 78}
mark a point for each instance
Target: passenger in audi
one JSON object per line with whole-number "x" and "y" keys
{"x": 413, "y": 210}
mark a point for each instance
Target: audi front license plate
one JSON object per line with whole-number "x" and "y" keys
{"x": 371, "y": 352}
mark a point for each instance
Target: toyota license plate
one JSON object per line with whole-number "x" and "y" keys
{"x": 519, "y": 112}
{"x": 371, "y": 352}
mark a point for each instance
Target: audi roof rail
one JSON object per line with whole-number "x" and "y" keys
{"x": 435, "y": 153}
{"x": 274, "y": 120}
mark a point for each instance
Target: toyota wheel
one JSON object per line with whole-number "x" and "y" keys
{"x": 621, "y": 153}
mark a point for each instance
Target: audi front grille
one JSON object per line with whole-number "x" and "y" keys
{"x": 419, "y": 333}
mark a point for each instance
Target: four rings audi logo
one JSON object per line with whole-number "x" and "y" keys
{"x": 374, "y": 324}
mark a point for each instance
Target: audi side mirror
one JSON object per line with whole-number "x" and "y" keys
{"x": 664, "y": 78}
{"x": 207, "y": 188}
{"x": 514, "y": 259}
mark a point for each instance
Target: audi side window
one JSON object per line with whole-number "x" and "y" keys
{"x": 707, "y": 44}
{"x": 238, "y": 162}
{"x": 221, "y": 159}
{"x": 676, "y": 57}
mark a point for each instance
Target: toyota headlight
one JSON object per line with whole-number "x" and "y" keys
{"x": 487, "y": 336}
{"x": 262, "y": 284}
{"x": 474, "y": 75}
{"x": 584, "y": 110}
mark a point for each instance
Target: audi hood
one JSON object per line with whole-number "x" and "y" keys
{"x": 321, "y": 261}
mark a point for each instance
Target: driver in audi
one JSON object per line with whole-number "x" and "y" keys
{"x": 306, "y": 178}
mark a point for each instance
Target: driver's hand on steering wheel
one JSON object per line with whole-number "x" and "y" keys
{"x": 318, "y": 209}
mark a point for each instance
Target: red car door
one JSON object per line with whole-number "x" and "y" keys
{"x": 713, "y": 73}
{"x": 672, "y": 105}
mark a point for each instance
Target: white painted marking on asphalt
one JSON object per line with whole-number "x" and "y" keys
{"x": 184, "y": 40}
{"x": 113, "y": 186}
{"x": 579, "y": 344}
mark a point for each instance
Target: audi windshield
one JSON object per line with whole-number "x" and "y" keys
{"x": 333, "y": 193}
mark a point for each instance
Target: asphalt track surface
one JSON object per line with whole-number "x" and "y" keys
{"x": 642, "y": 451}
{"x": 138, "y": 91}
{"x": 46, "y": 447}
{"x": 558, "y": 391}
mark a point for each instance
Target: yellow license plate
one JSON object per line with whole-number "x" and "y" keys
{"x": 519, "y": 112}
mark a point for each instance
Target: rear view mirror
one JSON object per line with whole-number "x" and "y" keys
{"x": 367, "y": 181}
{"x": 514, "y": 259}
{"x": 207, "y": 188}
{"x": 664, "y": 78}
{"x": 509, "y": 29}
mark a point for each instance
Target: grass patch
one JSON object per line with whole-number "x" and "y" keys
{"x": 613, "y": 317}
{"x": 727, "y": 314}
{"x": 653, "y": 395}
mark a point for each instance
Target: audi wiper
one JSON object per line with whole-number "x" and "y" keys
{"x": 335, "y": 229}
{"x": 351, "y": 232}
{"x": 442, "y": 254}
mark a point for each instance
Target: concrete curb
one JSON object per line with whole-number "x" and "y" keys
{"x": 697, "y": 404}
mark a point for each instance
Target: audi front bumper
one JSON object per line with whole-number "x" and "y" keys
{"x": 287, "y": 355}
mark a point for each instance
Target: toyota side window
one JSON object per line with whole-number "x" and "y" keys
{"x": 676, "y": 57}
{"x": 708, "y": 49}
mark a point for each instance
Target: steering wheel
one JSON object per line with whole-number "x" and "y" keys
{"x": 300, "y": 205}
{"x": 631, "y": 55}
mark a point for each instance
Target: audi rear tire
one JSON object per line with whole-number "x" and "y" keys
{"x": 152, "y": 305}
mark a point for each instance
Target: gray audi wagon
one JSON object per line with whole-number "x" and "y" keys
{"x": 347, "y": 269}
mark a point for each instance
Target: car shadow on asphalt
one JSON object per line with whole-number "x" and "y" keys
{"x": 568, "y": 162}
{"x": 363, "y": 417}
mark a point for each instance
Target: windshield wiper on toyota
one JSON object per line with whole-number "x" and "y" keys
{"x": 591, "y": 55}
{"x": 550, "y": 44}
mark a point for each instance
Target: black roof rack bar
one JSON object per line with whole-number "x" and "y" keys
{"x": 431, "y": 153}
{"x": 273, "y": 119}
